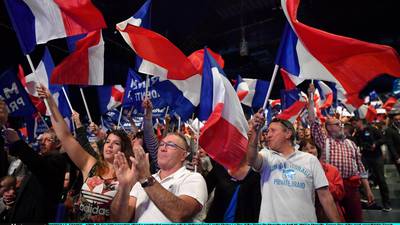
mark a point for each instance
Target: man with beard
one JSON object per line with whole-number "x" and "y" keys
{"x": 345, "y": 155}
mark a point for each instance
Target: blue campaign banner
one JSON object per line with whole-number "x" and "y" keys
{"x": 135, "y": 91}
{"x": 396, "y": 88}
{"x": 14, "y": 94}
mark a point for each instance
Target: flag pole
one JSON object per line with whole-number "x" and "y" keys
{"x": 44, "y": 121}
{"x": 179, "y": 124}
{"x": 66, "y": 97}
{"x": 119, "y": 117}
{"x": 197, "y": 142}
{"x": 34, "y": 74}
{"x": 86, "y": 107}
{"x": 147, "y": 85}
{"x": 166, "y": 113}
{"x": 270, "y": 85}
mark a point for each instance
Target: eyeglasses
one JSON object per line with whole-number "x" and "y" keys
{"x": 170, "y": 145}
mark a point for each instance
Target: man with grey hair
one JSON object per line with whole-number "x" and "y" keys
{"x": 173, "y": 194}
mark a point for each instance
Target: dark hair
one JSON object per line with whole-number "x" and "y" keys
{"x": 303, "y": 143}
{"x": 288, "y": 126}
{"x": 126, "y": 148}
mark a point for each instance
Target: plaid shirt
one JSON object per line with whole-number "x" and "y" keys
{"x": 344, "y": 154}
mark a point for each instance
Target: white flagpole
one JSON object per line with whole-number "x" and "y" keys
{"x": 34, "y": 74}
{"x": 119, "y": 117}
{"x": 270, "y": 85}
{"x": 102, "y": 122}
{"x": 179, "y": 124}
{"x": 197, "y": 142}
{"x": 147, "y": 85}
{"x": 166, "y": 113}
{"x": 41, "y": 117}
{"x": 66, "y": 97}
{"x": 86, "y": 107}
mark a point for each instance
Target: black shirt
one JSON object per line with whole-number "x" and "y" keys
{"x": 249, "y": 195}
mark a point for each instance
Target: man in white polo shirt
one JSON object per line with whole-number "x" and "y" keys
{"x": 289, "y": 178}
{"x": 173, "y": 194}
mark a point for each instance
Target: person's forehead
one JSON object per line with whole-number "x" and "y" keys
{"x": 171, "y": 138}
{"x": 275, "y": 125}
{"x": 113, "y": 137}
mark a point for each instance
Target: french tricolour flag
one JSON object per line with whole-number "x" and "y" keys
{"x": 325, "y": 95}
{"x": 42, "y": 75}
{"x": 252, "y": 92}
{"x": 38, "y": 21}
{"x": 367, "y": 112}
{"x": 224, "y": 135}
{"x": 110, "y": 97}
{"x": 162, "y": 58}
{"x": 293, "y": 102}
{"x": 315, "y": 54}
{"x": 84, "y": 66}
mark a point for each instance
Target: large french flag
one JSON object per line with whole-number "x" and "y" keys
{"x": 314, "y": 54}
{"x": 140, "y": 19}
{"x": 110, "y": 97}
{"x": 224, "y": 135}
{"x": 162, "y": 58}
{"x": 84, "y": 66}
{"x": 38, "y": 21}
{"x": 293, "y": 103}
{"x": 43, "y": 75}
{"x": 252, "y": 92}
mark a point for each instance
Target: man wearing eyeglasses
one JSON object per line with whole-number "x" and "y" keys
{"x": 345, "y": 155}
{"x": 289, "y": 178}
{"x": 173, "y": 194}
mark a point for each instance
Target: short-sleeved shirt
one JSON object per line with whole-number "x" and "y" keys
{"x": 182, "y": 182}
{"x": 288, "y": 186}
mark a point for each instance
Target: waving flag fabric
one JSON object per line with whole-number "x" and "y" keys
{"x": 85, "y": 66}
{"x": 42, "y": 75}
{"x": 252, "y": 92}
{"x": 293, "y": 102}
{"x": 325, "y": 95}
{"x": 160, "y": 56}
{"x": 314, "y": 54}
{"x": 110, "y": 97}
{"x": 38, "y": 21}
{"x": 224, "y": 135}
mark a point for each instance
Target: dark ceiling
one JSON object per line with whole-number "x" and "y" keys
{"x": 220, "y": 24}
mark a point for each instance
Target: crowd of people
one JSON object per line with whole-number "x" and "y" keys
{"x": 291, "y": 173}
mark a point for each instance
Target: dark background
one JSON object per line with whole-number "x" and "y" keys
{"x": 221, "y": 24}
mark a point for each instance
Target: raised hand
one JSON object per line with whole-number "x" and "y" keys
{"x": 142, "y": 165}
{"x": 148, "y": 108}
{"x": 43, "y": 91}
{"x": 258, "y": 120}
{"x": 76, "y": 119}
{"x": 11, "y": 135}
{"x": 127, "y": 176}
